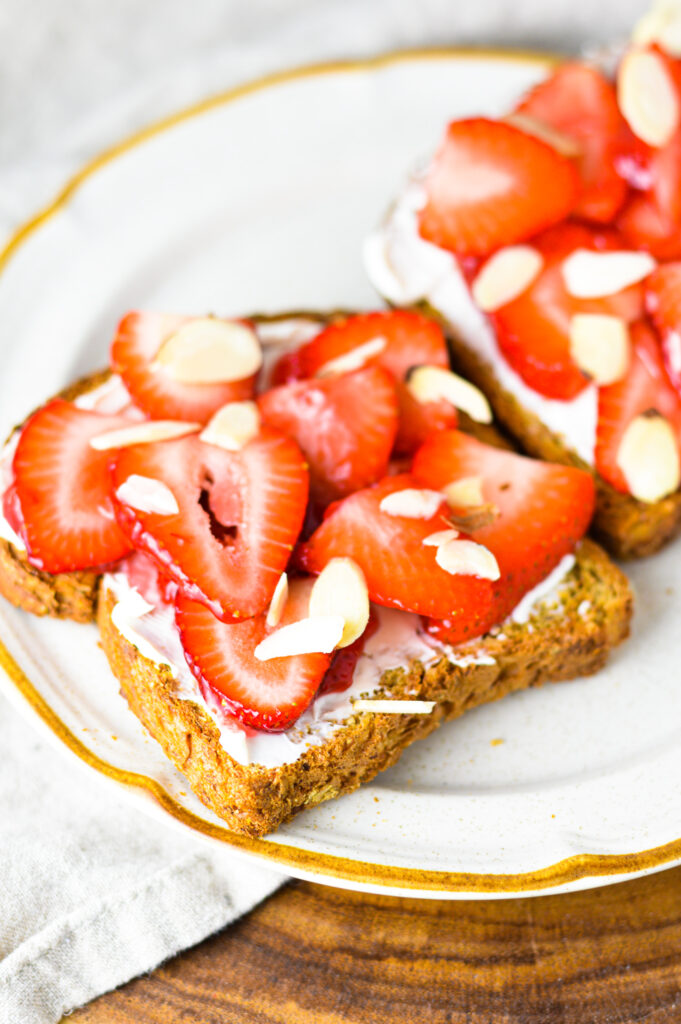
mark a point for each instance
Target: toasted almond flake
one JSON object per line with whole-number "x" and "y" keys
{"x": 649, "y": 458}
{"x": 341, "y": 589}
{"x": 594, "y": 275}
{"x": 210, "y": 351}
{"x": 434, "y": 540}
{"x": 433, "y": 384}
{"x": 354, "y": 359}
{"x": 464, "y": 493}
{"x": 662, "y": 25}
{"x": 647, "y": 97}
{"x": 148, "y": 495}
{"x": 505, "y": 276}
{"x": 143, "y": 433}
{"x": 477, "y": 517}
{"x": 320, "y": 634}
{"x": 233, "y": 426}
{"x": 412, "y": 503}
{"x": 278, "y": 602}
{"x": 466, "y": 558}
{"x": 395, "y": 707}
{"x": 563, "y": 144}
{"x": 600, "y": 346}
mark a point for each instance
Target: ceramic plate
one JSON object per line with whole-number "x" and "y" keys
{"x": 259, "y": 200}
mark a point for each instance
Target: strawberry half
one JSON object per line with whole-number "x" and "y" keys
{"x": 645, "y": 388}
{"x": 345, "y": 426}
{"x": 239, "y": 516}
{"x": 60, "y": 503}
{"x": 401, "y": 572}
{"x": 410, "y": 340}
{"x": 267, "y": 695}
{"x": 644, "y": 226}
{"x": 533, "y": 330}
{"x": 663, "y": 303}
{"x": 543, "y": 510}
{"x": 138, "y": 340}
{"x": 491, "y": 184}
{"x": 580, "y": 103}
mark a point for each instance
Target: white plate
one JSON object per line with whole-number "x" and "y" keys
{"x": 260, "y": 200}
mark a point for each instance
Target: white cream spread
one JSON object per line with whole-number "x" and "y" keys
{"x": 405, "y": 268}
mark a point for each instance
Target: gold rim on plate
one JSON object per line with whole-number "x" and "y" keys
{"x": 571, "y": 869}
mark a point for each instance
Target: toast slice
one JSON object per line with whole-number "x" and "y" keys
{"x": 567, "y": 636}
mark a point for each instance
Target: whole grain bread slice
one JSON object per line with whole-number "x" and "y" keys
{"x": 573, "y": 637}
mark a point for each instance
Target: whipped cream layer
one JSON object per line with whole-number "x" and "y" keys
{"x": 405, "y": 269}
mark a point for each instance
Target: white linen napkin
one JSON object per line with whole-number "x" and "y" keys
{"x": 92, "y": 892}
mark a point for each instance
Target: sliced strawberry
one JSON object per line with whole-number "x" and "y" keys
{"x": 663, "y": 302}
{"x": 534, "y": 329}
{"x": 410, "y": 340}
{"x": 60, "y": 503}
{"x": 644, "y": 227}
{"x": 543, "y": 509}
{"x": 488, "y": 187}
{"x": 137, "y": 342}
{"x": 240, "y": 515}
{"x": 580, "y": 103}
{"x": 345, "y": 426}
{"x": 267, "y": 695}
{"x": 401, "y": 572}
{"x": 646, "y": 387}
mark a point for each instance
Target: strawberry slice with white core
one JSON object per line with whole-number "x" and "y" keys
{"x": 663, "y": 303}
{"x": 60, "y": 504}
{"x": 268, "y": 695}
{"x": 240, "y": 513}
{"x": 488, "y": 187}
{"x": 151, "y": 348}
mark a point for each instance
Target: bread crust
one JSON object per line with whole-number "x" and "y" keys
{"x": 254, "y": 800}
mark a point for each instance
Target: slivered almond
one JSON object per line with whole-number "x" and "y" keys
{"x": 465, "y": 492}
{"x": 434, "y": 540}
{"x": 432, "y": 384}
{"x": 278, "y": 602}
{"x": 318, "y": 635}
{"x": 662, "y": 25}
{"x": 474, "y": 518}
{"x": 354, "y": 359}
{"x": 210, "y": 351}
{"x": 505, "y": 276}
{"x": 647, "y": 97}
{"x": 233, "y": 426}
{"x": 600, "y": 346}
{"x": 148, "y": 495}
{"x": 563, "y": 144}
{"x": 341, "y": 589}
{"x": 143, "y": 433}
{"x": 649, "y": 457}
{"x": 466, "y": 558}
{"x": 395, "y": 707}
{"x": 411, "y": 503}
{"x": 594, "y": 275}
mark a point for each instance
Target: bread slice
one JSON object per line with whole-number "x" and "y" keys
{"x": 559, "y": 642}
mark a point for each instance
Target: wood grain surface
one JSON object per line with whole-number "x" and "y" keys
{"x": 316, "y": 955}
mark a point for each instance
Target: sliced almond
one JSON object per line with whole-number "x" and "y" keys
{"x": 600, "y": 346}
{"x": 434, "y": 540}
{"x": 505, "y": 276}
{"x": 594, "y": 275}
{"x": 433, "y": 384}
{"x": 474, "y": 518}
{"x": 315, "y": 635}
{"x": 210, "y": 351}
{"x": 278, "y": 602}
{"x": 411, "y": 503}
{"x": 647, "y": 97}
{"x": 341, "y": 589}
{"x": 464, "y": 493}
{"x": 354, "y": 359}
{"x": 233, "y": 426}
{"x": 148, "y": 495}
{"x": 662, "y": 25}
{"x": 395, "y": 707}
{"x": 649, "y": 458}
{"x": 142, "y": 433}
{"x": 466, "y": 558}
{"x": 566, "y": 145}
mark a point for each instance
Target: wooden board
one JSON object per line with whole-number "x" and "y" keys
{"x": 316, "y": 955}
